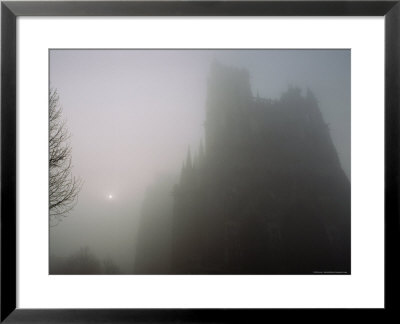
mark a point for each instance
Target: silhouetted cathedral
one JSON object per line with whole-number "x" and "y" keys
{"x": 265, "y": 193}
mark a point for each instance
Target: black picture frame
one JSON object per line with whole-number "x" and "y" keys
{"x": 10, "y": 10}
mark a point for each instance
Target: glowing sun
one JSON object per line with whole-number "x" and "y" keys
{"x": 110, "y": 196}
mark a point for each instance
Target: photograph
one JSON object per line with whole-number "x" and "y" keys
{"x": 199, "y": 161}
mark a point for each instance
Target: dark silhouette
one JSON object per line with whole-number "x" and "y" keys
{"x": 109, "y": 267}
{"x": 82, "y": 262}
{"x": 153, "y": 251}
{"x": 267, "y": 194}
{"x": 63, "y": 186}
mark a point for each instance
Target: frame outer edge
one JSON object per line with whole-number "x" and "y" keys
{"x": 392, "y": 154}
{"x": 203, "y": 8}
{"x": 8, "y": 162}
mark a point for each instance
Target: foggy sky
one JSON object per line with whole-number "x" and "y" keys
{"x": 133, "y": 114}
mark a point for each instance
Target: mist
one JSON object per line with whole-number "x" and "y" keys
{"x": 137, "y": 116}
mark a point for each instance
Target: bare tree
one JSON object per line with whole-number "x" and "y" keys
{"x": 63, "y": 186}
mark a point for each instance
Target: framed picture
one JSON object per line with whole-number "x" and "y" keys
{"x": 190, "y": 161}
